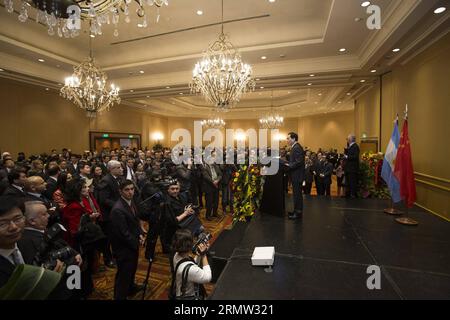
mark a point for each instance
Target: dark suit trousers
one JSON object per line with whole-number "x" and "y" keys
{"x": 126, "y": 270}
{"x": 297, "y": 190}
{"x": 307, "y": 188}
{"x": 212, "y": 202}
{"x": 351, "y": 179}
{"x": 105, "y": 249}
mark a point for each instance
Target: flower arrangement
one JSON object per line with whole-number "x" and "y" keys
{"x": 247, "y": 187}
{"x": 370, "y": 183}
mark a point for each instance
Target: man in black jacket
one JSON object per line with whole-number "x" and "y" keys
{"x": 351, "y": 167}
{"x": 297, "y": 170}
{"x": 212, "y": 175}
{"x": 109, "y": 193}
{"x": 12, "y": 222}
{"x": 126, "y": 238}
{"x": 17, "y": 179}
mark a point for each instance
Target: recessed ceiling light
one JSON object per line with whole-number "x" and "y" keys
{"x": 41, "y": 60}
{"x": 261, "y": 87}
{"x": 140, "y": 25}
{"x": 373, "y": 71}
{"x": 342, "y": 49}
{"x": 365, "y": 4}
{"x": 1, "y": 70}
{"x": 289, "y": 92}
{"x": 181, "y": 93}
{"x": 282, "y": 55}
{"x": 440, "y": 10}
{"x": 167, "y": 87}
{"x": 271, "y": 1}
{"x": 319, "y": 94}
{"x": 92, "y": 35}
{"x": 396, "y": 50}
{"x": 316, "y": 102}
{"x": 362, "y": 81}
{"x": 349, "y": 93}
{"x": 148, "y": 96}
{"x": 312, "y": 75}
{"x": 357, "y": 19}
{"x": 263, "y": 58}
{"x": 309, "y": 84}
{"x": 258, "y": 79}
{"x": 339, "y": 101}
{"x": 131, "y": 90}
{"x": 142, "y": 72}
{"x": 46, "y": 89}
{"x": 199, "y": 12}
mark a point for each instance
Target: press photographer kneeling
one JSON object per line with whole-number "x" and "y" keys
{"x": 190, "y": 273}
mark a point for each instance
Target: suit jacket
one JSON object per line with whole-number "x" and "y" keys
{"x": 183, "y": 174}
{"x": 14, "y": 192}
{"x": 51, "y": 188}
{"x": 30, "y": 244}
{"x": 108, "y": 194}
{"x": 125, "y": 229}
{"x": 352, "y": 161}
{"x": 327, "y": 171}
{"x": 71, "y": 168}
{"x": 6, "y": 270}
{"x": 208, "y": 184}
{"x": 297, "y": 162}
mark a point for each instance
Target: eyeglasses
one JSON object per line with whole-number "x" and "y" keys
{"x": 4, "y": 225}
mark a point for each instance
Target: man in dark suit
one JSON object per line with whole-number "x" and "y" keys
{"x": 16, "y": 179}
{"x": 296, "y": 169}
{"x": 325, "y": 174}
{"x": 109, "y": 193}
{"x": 212, "y": 175}
{"x": 351, "y": 167}
{"x": 8, "y": 166}
{"x": 126, "y": 238}
{"x": 53, "y": 173}
{"x": 12, "y": 222}
{"x": 72, "y": 166}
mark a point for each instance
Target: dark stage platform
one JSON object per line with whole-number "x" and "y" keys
{"x": 325, "y": 255}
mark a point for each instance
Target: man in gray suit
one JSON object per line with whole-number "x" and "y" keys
{"x": 296, "y": 168}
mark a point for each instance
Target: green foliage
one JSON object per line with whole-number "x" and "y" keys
{"x": 370, "y": 183}
{"x": 247, "y": 187}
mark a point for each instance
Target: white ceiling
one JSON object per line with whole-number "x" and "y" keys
{"x": 306, "y": 33}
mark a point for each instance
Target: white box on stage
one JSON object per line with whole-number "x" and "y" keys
{"x": 263, "y": 256}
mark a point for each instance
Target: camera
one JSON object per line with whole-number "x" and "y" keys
{"x": 50, "y": 250}
{"x": 204, "y": 238}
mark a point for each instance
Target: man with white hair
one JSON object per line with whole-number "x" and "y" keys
{"x": 109, "y": 193}
{"x": 351, "y": 167}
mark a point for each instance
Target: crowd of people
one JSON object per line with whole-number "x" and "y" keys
{"x": 112, "y": 203}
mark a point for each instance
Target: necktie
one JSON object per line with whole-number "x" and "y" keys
{"x": 16, "y": 257}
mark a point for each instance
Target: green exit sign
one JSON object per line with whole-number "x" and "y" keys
{"x": 105, "y": 135}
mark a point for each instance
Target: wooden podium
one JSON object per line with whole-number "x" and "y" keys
{"x": 273, "y": 199}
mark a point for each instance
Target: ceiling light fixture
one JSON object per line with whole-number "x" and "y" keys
{"x": 56, "y": 17}
{"x": 199, "y": 12}
{"x": 373, "y": 71}
{"x": 263, "y": 58}
{"x": 365, "y": 4}
{"x": 342, "y": 50}
{"x": 440, "y": 10}
{"x": 271, "y": 120}
{"x": 396, "y": 50}
{"x": 41, "y": 60}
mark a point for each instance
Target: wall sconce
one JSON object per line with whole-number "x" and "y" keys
{"x": 157, "y": 136}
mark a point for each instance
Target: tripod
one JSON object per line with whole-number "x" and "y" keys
{"x": 147, "y": 276}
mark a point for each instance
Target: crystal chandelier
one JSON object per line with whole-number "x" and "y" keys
{"x": 221, "y": 76}
{"x": 213, "y": 123}
{"x": 272, "y": 120}
{"x": 87, "y": 88}
{"x": 63, "y": 17}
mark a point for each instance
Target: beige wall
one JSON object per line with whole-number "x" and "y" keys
{"x": 34, "y": 121}
{"x": 423, "y": 84}
{"x": 326, "y": 131}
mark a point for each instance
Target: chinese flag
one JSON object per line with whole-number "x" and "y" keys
{"x": 404, "y": 168}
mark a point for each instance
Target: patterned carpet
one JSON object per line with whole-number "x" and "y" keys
{"x": 160, "y": 278}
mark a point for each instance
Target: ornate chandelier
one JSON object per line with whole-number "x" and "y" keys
{"x": 87, "y": 88}
{"x": 63, "y": 17}
{"x": 213, "y": 123}
{"x": 221, "y": 76}
{"x": 272, "y": 120}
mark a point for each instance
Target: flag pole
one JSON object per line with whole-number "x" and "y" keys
{"x": 407, "y": 221}
{"x": 391, "y": 210}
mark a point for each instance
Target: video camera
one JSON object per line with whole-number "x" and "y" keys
{"x": 50, "y": 250}
{"x": 204, "y": 238}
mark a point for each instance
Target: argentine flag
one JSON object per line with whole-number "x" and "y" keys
{"x": 387, "y": 172}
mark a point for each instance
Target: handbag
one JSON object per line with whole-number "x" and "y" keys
{"x": 88, "y": 231}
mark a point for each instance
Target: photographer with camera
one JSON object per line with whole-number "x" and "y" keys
{"x": 189, "y": 274}
{"x": 179, "y": 213}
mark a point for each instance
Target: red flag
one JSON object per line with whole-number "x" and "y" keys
{"x": 404, "y": 168}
